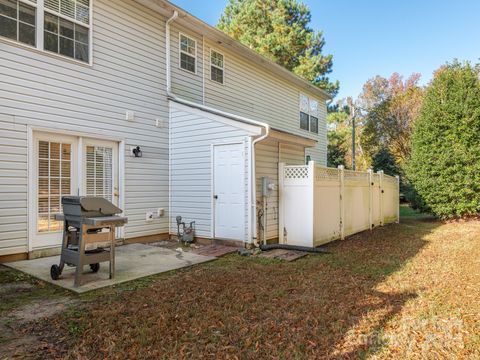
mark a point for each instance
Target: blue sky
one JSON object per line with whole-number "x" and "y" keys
{"x": 373, "y": 37}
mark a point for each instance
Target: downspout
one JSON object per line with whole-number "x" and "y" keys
{"x": 254, "y": 185}
{"x": 167, "y": 50}
{"x": 221, "y": 113}
{"x": 169, "y": 85}
{"x": 203, "y": 70}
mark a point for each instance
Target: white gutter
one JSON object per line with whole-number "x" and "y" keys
{"x": 220, "y": 113}
{"x": 203, "y": 70}
{"x": 169, "y": 86}
{"x": 167, "y": 50}
{"x": 254, "y": 184}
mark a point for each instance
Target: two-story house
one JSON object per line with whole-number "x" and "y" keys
{"x": 146, "y": 105}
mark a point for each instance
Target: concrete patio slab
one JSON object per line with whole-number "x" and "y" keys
{"x": 132, "y": 262}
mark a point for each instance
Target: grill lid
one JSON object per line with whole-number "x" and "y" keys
{"x": 92, "y": 204}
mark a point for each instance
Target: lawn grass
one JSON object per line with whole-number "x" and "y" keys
{"x": 406, "y": 212}
{"x": 407, "y": 290}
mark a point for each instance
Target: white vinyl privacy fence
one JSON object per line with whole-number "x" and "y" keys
{"x": 320, "y": 204}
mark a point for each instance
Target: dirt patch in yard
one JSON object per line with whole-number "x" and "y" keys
{"x": 18, "y": 340}
{"x": 41, "y": 309}
{"x": 12, "y": 289}
{"x": 403, "y": 291}
{"x": 16, "y": 344}
{"x": 24, "y": 302}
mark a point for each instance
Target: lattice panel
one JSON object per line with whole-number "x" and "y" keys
{"x": 296, "y": 172}
{"x": 390, "y": 179}
{"x": 326, "y": 174}
{"x": 355, "y": 175}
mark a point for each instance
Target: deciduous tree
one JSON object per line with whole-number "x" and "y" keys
{"x": 390, "y": 107}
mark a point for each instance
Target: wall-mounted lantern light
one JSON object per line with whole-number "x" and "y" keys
{"x": 137, "y": 152}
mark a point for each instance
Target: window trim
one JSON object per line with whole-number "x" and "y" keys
{"x": 309, "y": 113}
{"x": 22, "y": 44}
{"x": 300, "y": 120}
{"x": 216, "y": 66}
{"x": 180, "y": 51}
{"x": 310, "y": 124}
{"x": 39, "y": 29}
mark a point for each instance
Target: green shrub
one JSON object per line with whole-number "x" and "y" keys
{"x": 444, "y": 168}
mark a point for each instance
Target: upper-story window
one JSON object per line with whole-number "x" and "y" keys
{"x": 59, "y": 26}
{"x": 217, "y": 66}
{"x": 308, "y": 114}
{"x": 18, "y": 20}
{"x": 188, "y": 53}
{"x": 66, "y": 28}
{"x": 304, "y": 121}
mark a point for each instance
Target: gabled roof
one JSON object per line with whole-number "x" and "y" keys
{"x": 193, "y": 23}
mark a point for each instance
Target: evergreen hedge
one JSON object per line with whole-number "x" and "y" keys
{"x": 444, "y": 168}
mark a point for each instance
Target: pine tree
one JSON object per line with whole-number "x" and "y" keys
{"x": 278, "y": 29}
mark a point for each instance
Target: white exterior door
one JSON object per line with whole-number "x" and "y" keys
{"x": 100, "y": 169}
{"x": 68, "y": 165}
{"x": 229, "y": 191}
{"x": 54, "y": 175}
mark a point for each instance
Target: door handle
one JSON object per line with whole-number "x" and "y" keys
{"x": 215, "y": 197}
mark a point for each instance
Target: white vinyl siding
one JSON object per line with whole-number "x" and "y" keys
{"x": 192, "y": 136}
{"x": 255, "y": 93}
{"x": 248, "y": 90}
{"x": 13, "y": 186}
{"x": 186, "y": 84}
{"x": 49, "y": 93}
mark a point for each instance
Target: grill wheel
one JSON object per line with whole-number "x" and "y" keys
{"x": 55, "y": 272}
{"x": 95, "y": 267}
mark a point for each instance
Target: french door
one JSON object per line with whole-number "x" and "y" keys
{"x": 100, "y": 169}
{"x": 68, "y": 165}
